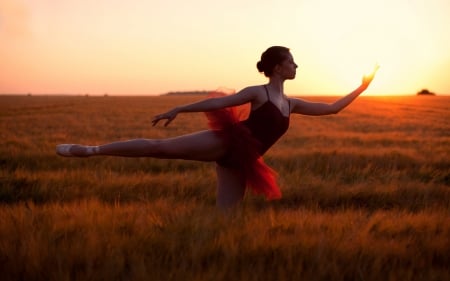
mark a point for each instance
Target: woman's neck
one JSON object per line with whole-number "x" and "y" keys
{"x": 276, "y": 84}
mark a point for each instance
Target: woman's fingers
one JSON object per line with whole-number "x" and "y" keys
{"x": 367, "y": 78}
{"x": 167, "y": 116}
{"x": 168, "y": 121}
{"x": 155, "y": 121}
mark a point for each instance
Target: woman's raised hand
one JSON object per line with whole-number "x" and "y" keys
{"x": 367, "y": 78}
{"x": 169, "y": 115}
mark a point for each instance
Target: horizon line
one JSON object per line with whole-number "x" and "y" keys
{"x": 199, "y": 93}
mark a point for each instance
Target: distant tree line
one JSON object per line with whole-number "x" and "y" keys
{"x": 185, "y": 93}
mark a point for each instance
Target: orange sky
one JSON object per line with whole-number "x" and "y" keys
{"x": 155, "y": 46}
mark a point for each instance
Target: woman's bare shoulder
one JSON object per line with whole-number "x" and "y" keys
{"x": 254, "y": 94}
{"x": 254, "y": 90}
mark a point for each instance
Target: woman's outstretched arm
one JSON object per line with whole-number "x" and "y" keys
{"x": 317, "y": 108}
{"x": 244, "y": 96}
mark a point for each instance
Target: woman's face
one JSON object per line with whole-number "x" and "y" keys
{"x": 287, "y": 68}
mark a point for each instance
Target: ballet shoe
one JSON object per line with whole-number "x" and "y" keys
{"x": 64, "y": 150}
{"x": 76, "y": 150}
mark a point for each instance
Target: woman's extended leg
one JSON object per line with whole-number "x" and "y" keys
{"x": 203, "y": 146}
{"x": 230, "y": 187}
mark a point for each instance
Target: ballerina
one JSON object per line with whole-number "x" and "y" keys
{"x": 237, "y": 146}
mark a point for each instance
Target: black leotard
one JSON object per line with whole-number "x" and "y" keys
{"x": 263, "y": 127}
{"x": 267, "y": 124}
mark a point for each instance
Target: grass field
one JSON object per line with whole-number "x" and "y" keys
{"x": 366, "y": 196}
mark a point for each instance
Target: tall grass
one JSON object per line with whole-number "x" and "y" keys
{"x": 365, "y": 196}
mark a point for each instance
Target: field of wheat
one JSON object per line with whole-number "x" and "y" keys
{"x": 366, "y": 196}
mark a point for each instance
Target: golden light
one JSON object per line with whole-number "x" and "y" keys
{"x": 141, "y": 48}
{"x": 351, "y": 41}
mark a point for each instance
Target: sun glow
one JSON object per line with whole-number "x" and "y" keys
{"x": 152, "y": 47}
{"x": 380, "y": 32}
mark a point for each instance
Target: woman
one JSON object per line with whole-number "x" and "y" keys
{"x": 236, "y": 146}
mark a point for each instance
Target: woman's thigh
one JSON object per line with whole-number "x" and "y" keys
{"x": 203, "y": 146}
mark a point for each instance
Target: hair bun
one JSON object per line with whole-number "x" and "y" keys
{"x": 260, "y": 66}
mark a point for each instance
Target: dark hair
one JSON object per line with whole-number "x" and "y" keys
{"x": 270, "y": 58}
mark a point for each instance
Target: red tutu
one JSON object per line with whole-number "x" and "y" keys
{"x": 243, "y": 150}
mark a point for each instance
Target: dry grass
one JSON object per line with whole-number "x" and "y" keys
{"x": 366, "y": 196}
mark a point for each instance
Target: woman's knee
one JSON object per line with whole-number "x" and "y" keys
{"x": 150, "y": 147}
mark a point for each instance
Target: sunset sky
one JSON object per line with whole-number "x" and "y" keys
{"x": 147, "y": 47}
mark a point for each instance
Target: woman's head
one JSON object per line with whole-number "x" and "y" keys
{"x": 272, "y": 57}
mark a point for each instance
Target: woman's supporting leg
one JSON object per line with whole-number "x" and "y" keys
{"x": 202, "y": 146}
{"x": 230, "y": 187}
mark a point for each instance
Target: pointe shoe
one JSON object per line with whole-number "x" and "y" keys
{"x": 64, "y": 150}
{"x": 76, "y": 150}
